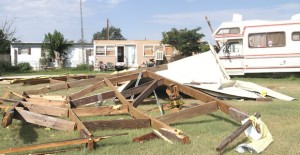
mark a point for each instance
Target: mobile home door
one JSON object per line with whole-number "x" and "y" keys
{"x": 232, "y": 58}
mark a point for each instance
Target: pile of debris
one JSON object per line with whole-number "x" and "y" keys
{"x": 33, "y": 106}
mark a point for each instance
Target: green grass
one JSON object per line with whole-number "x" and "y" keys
{"x": 205, "y": 132}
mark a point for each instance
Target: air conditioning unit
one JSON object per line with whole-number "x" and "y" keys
{"x": 159, "y": 55}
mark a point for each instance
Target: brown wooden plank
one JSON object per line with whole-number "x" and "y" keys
{"x": 145, "y": 137}
{"x": 123, "y": 78}
{"x": 136, "y": 90}
{"x": 235, "y": 134}
{"x": 8, "y": 115}
{"x": 57, "y": 144}
{"x": 56, "y": 103}
{"x": 188, "y": 113}
{"x": 94, "y": 98}
{"x": 145, "y": 93}
{"x": 45, "y": 121}
{"x": 237, "y": 114}
{"x": 174, "y": 135}
{"x": 47, "y": 97}
{"x": 79, "y": 124}
{"x": 46, "y": 110}
{"x": 100, "y": 111}
{"x": 118, "y": 124}
{"x": 87, "y": 90}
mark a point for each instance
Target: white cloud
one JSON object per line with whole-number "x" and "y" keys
{"x": 41, "y": 16}
{"x": 111, "y": 3}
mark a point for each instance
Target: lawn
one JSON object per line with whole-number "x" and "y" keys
{"x": 205, "y": 132}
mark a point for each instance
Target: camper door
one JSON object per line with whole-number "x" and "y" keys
{"x": 231, "y": 55}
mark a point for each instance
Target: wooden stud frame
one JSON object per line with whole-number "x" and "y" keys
{"x": 75, "y": 107}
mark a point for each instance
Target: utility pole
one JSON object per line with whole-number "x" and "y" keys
{"x": 107, "y": 29}
{"x": 82, "y": 36}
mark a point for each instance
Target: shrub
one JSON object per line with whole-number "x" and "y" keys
{"x": 84, "y": 67}
{"x": 24, "y": 66}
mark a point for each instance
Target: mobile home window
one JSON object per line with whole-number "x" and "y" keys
{"x": 110, "y": 50}
{"x": 24, "y": 51}
{"x": 100, "y": 50}
{"x": 265, "y": 40}
{"x": 234, "y": 30}
{"x": 296, "y": 36}
{"x": 148, "y": 50}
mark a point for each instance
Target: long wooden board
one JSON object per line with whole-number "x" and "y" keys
{"x": 57, "y": 144}
{"x": 118, "y": 124}
{"x": 188, "y": 113}
{"x": 100, "y": 111}
{"x": 46, "y": 110}
{"x": 45, "y": 121}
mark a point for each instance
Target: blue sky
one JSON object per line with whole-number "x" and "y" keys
{"x": 138, "y": 19}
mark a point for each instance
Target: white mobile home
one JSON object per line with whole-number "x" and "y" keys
{"x": 259, "y": 46}
{"x": 32, "y": 53}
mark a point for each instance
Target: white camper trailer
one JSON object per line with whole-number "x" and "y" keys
{"x": 259, "y": 46}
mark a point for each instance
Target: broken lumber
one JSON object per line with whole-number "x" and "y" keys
{"x": 100, "y": 111}
{"x": 118, "y": 124}
{"x": 235, "y": 134}
{"x": 156, "y": 124}
{"x": 46, "y": 110}
{"x": 188, "y": 113}
{"x": 46, "y": 121}
{"x": 57, "y": 144}
{"x": 8, "y": 115}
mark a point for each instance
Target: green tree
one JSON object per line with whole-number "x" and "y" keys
{"x": 7, "y": 33}
{"x": 114, "y": 34}
{"x": 56, "y": 47}
{"x": 185, "y": 41}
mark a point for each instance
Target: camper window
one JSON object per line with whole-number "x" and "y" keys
{"x": 110, "y": 50}
{"x": 264, "y": 40}
{"x": 100, "y": 50}
{"x": 296, "y": 36}
{"x": 234, "y": 30}
{"x": 232, "y": 47}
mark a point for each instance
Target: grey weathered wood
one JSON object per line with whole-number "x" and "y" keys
{"x": 237, "y": 114}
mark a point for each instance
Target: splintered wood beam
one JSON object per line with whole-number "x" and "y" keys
{"x": 57, "y": 144}
{"x": 156, "y": 124}
{"x": 46, "y": 110}
{"x": 94, "y": 98}
{"x": 118, "y": 124}
{"x": 145, "y": 137}
{"x": 189, "y": 113}
{"x": 174, "y": 135}
{"x": 191, "y": 92}
{"x": 145, "y": 93}
{"x": 100, "y": 111}
{"x": 56, "y": 103}
{"x": 79, "y": 124}
{"x": 87, "y": 90}
{"x": 9, "y": 115}
{"x": 45, "y": 121}
{"x": 235, "y": 134}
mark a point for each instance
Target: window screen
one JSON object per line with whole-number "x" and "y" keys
{"x": 264, "y": 40}
{"x": 296, "y": 36}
